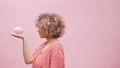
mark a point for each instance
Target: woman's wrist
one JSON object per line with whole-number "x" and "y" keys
{"x": 23, "y": 38}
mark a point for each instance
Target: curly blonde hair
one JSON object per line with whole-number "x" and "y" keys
{"x": 52, "y": 23}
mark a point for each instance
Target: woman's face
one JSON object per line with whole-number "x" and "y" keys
{"x": 41, "y": 32}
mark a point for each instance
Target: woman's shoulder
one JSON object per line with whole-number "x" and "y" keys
{"x": 57, "y": 46}
{"x": 57, "y": 49}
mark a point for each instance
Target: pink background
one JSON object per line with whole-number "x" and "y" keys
{"x": 92, "y": 38}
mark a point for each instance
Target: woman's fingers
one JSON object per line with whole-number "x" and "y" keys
{"x": 11, "y": 33}
{"x": 17, "y": 35}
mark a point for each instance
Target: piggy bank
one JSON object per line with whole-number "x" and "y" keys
{"x": 18, "y": 30}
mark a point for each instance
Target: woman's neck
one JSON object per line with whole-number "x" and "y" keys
{"x": 52, "y": 40}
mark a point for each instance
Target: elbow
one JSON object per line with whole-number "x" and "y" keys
{"x": 28, "y": 62}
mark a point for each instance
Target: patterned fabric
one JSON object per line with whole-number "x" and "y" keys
{"x": 52, "y": 57}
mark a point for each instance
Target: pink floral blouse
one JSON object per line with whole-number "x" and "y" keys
{"x": 52, "y": 57}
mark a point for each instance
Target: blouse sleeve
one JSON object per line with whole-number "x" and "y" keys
{"x": 57, "y": 57}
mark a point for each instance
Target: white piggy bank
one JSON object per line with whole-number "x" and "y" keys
{"x": 18, "y": 30}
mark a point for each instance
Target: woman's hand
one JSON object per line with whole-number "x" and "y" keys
{"x": 20, "y": 36}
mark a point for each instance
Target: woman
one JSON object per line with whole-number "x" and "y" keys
{"x": 49, "y": 54}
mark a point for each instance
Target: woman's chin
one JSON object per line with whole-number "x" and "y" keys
{"x": 42, "y": 37}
